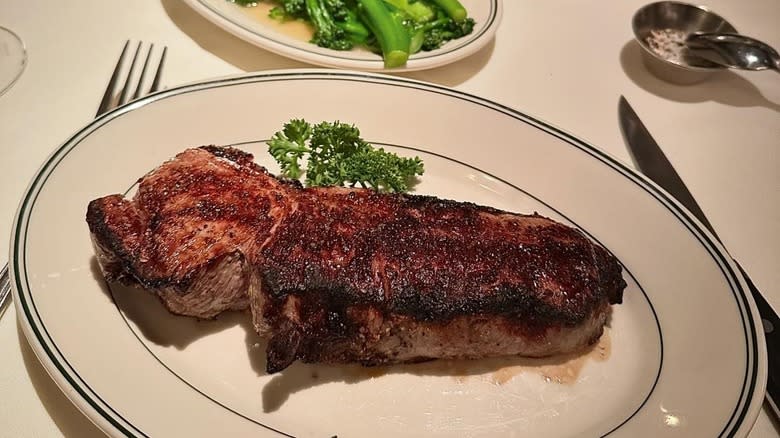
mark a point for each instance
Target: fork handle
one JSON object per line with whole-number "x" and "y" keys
{"x": 5, "y": 289}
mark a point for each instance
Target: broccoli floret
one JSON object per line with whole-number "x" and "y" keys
{"x": 338, "y": 9}
{"x": 444, "y": 29}
{"x": 289, "y": 10}
{"x": 336, "y": 24}
{"x": 326, "y": 32}
{"x": 429, "y": 23}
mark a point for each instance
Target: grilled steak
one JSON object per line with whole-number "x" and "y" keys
{"x": 340, "y": 275}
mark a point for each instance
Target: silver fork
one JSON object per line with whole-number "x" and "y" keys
{"x": 109, "y": 101}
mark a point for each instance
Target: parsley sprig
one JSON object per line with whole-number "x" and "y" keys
{"x": 336, "y": 155}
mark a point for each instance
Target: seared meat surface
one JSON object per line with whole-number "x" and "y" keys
{"x": 340, "y": 275}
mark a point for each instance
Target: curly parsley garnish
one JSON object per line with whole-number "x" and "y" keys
{"x": 335, "y": 155}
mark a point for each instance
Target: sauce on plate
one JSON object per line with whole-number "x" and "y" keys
{"x": 298, "y": 29}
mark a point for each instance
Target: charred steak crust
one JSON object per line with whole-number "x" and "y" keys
{"x": 352, "y": 275}
{"x": 432, "y": 265}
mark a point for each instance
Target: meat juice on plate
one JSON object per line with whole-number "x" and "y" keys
{"x": 565, "y": 369}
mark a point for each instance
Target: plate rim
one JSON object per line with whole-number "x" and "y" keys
{"x": 430, "y": 60}
{"x": 749, "y": 403}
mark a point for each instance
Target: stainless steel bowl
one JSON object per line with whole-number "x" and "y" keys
{"x": 672, "y": 16}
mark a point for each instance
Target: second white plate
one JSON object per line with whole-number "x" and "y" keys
{"x": 252, "y": 25}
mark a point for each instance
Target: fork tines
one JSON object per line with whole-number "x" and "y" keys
{"x": 111, "y": 99}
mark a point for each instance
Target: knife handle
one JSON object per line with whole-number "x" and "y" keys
{"x": 771, "y": 326}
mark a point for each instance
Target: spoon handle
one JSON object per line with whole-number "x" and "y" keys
{"x": 733, "y": 50}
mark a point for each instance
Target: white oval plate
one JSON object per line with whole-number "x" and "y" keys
{"x": 684, "y": 358}
{"x": 277, "y": 38}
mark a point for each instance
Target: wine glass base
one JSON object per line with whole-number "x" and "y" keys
{"x": 13, "y": 58}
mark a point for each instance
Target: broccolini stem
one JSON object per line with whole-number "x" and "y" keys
{"x": 392, "y": 36}
{"x": 356, "y": 30}
{"x": 453, "y": 8}
{"x": 319, "y": 15}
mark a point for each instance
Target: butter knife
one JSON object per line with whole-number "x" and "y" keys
{"x": 652, "y": 162}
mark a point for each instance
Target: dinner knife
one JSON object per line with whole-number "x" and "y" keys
{"x": 651, "y": 161}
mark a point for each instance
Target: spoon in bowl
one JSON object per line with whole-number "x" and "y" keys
{"x": 734, "y": 51}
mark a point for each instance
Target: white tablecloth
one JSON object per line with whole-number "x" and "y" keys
{"x": 563, "y": 61}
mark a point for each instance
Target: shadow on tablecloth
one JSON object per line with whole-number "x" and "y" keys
{"x": 724, "y": 87}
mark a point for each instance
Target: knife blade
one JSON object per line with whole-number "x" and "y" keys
{"x": 652, "y": 162}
